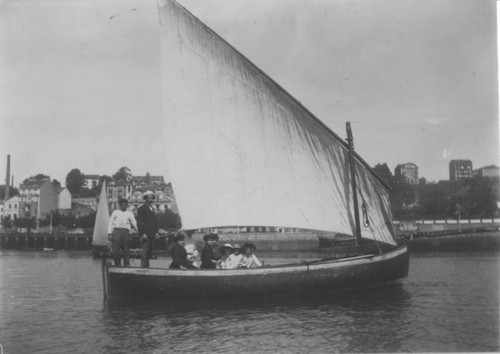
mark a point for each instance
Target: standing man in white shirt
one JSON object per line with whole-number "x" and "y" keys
{"x": 120, "y": 223}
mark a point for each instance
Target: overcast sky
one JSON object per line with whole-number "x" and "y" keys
{"x": 80, "y": 79}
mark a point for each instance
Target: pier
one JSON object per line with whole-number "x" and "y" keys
{"x": 59, "y": 241}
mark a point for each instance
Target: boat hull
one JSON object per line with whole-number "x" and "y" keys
{"x": 321, "y": 276}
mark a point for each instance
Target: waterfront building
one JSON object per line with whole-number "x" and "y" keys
{"x": 133, "y": 190}
{"x": 162, "y": 202}
{"x": 91, "y": 181}
{"x": 83, "y": 206}
{"x": 147, "y": 182}
{"x": 38, "y": 198}
{"x": 79, "y": 209}
{"x": 117, "y": 190}
{"x": 64, "y": 200}
{"x": 490, "y": 171}
{"x": 11, "y": 208}
{"x": 407, "y": 172}
{"x": 460, "y": 169}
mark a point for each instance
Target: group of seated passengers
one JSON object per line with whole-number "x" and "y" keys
{"x": 226, "y": 257}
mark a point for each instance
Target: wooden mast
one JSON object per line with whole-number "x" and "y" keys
{"x": 353, "y": 184}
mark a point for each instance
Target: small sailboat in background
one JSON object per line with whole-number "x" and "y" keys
{"x": 100, "y": 242}
{"x": 241, "y": 151}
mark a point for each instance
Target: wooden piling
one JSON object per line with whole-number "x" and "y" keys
{"x": 103, "y": 269}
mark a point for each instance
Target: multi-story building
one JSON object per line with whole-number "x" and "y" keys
{"x": 133, "y": 191}
{"x": 38, "y": 198}
{"x": 11, "y": 208}
{"x": 91, "y": 181}
{"x": 118, "y": 190}
{"x": 147, "y": 181}
{"x": 490, "y": 171}
{"x": 83, "y": 206}
{"x": 407, "y": 172}
{"x": 460, "y": 169}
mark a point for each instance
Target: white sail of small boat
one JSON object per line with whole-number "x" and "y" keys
{"x": 243, "y": 151}
{"x": 100, "y": 235}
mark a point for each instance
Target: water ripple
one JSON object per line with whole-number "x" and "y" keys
{"x": 53, "y": 304}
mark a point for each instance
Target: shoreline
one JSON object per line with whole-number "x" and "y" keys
{"x": 265, "y": 242}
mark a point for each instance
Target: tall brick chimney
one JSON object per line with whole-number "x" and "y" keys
{"x": 7, "y": 179}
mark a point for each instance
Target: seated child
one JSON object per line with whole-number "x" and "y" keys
{"x": 209, "y": 256}
{"x": 235, "y": 257}
{"x": 248, "y": 259}
{"x": 192, "y": 254}
{"x": 226, "y": 251}
{"x": 179, "y": 254}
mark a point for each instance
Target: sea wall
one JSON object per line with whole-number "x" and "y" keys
{"x": 271, "y": 241}
{"x": 265, "y": 242}
{"x": 467, "y": 242}
{"x": 58, "y": 241}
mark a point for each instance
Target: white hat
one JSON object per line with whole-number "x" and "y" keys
{"x": 147, "y": 193}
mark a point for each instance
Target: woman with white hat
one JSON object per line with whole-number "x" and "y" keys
{"x": 235, "y": 257}
{"x": 226, "y": 252}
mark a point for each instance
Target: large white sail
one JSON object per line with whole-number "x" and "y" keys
{"x": 242, "y": 151}
{"x": 100, "y": 236}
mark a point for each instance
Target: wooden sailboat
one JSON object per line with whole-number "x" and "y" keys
{"x": 242, "y": 151}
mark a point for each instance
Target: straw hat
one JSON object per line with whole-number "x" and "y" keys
{"x": 227, "y": 246}
{"x": 148, "y": 193}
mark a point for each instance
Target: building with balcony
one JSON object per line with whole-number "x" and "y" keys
{"x": 134, "y": 189}
{"x": 407, "y": 172}
{"x": 460, "y": 169}
{"x": 117, "y": 190}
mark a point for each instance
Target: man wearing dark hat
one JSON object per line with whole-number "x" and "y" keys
{"x": 120, "y": 223}
{"x": 148, "y": 227}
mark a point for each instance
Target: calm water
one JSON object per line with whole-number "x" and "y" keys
{"x": 52, "y": 303}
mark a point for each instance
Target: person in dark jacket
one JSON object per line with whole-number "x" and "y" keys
{"x": 209, "y": 256}
{"x": 147, "y": 227}
{"x": 179, "y": 254}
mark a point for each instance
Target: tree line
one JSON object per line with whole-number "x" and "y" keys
{"x": 473, "y": 198}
